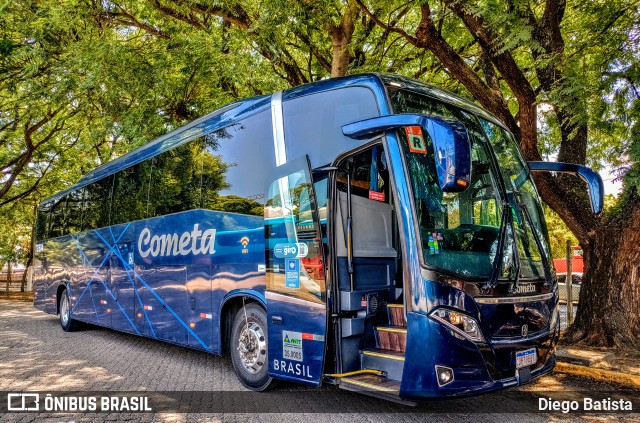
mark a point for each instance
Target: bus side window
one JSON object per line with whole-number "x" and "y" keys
{"x": 41, "y": 223}
{"x": 98, "y": 204}
{"x": 175, "y": 180}
{"x": 56, "y": 220}
{"x": 74, "y": 211}
{"x": 317, "y": 119}
{"x": 130, "y": 192}
{"x": 235, "y": 162}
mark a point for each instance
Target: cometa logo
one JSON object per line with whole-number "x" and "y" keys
{"x": 528, "y": 288}
{"x": 167, "y": 245}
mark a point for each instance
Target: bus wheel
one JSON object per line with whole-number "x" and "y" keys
{"x": 68, "y": 324}
{"x": 249, "y": 347}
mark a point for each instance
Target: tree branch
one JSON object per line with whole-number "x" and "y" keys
{"x": 388, "y": 28}
{"x": 511, "y": 74}
{"x": 119, "y": 18}
{"x": 179, "y": 15}
{"x": 238, "y": 16}
{"x": 427, "y": 37}
{"x": 324, "y": 62}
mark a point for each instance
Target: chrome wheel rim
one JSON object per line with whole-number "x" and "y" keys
{"x": 252, "y": 347}
{"x": 64, "y": 310}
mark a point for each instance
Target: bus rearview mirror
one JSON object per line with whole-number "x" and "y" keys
{"x": 451, "y": 147}
{"x": 591, "y": 177}
{"x": 452, "y": 154}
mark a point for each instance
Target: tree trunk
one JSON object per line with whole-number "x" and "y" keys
{"x": 26, "y": 270}
{"x": 340, "y": 62}
{"x": 610, "y": 293}
{"x": 8, "y": 274}
{"x": 341, "y": 36}
{"x": 32, "y": 248}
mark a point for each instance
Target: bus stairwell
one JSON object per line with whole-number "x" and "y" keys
{"x": 387, "y": 354}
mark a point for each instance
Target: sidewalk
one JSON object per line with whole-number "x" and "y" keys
{"x": 600, "y": 364}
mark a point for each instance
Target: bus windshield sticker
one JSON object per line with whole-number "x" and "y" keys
{"x": 292, "y": 345}
{"x": 292, "y": 275}
{"x": 434, "y": 245}
{"x": 415, "y": 139}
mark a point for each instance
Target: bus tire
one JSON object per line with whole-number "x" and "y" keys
{"x": 68, "y": 324}
{"x": 249, "y": 348}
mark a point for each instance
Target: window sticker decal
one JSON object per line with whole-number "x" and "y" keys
{"x": 415, "y": 139}
{"x": 378, "y": 196}
{"x": 434, "y": 245}
{"x": 292, "y": 345}
{"x": 292, "y": 273}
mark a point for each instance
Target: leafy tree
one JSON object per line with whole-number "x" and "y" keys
{"x": 15, "y": 232}
{"x": 78, "y": 89}
{"x": 558, "y": 233}
{"x": 512, "y": 56}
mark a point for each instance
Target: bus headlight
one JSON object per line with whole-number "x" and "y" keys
{"x": 461, "y": 323}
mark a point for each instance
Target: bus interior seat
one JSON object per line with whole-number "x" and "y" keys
{"x": 374, "y": 258}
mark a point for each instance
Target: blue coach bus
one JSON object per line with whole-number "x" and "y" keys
{"x": 368, "y": 231}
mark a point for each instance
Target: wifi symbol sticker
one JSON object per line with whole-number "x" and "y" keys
{"x": 244, "y": 241}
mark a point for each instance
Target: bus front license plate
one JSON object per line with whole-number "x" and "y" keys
{"x": 526, "y": 358}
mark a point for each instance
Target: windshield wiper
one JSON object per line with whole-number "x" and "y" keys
{"x": 516, "y": 253}
{"x": 528, "y": 221}
{"x": 538, "y": 241}
{"x": 507, "y": 219}
{"x": 497, "y": 261}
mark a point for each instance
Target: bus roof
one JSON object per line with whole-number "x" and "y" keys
{"x": 236, "y": 111}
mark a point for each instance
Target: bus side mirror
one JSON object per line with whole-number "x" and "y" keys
{"x": 452, "y": 149}
{"x": 452, "y": 153}
{"x": 592, "y": 178}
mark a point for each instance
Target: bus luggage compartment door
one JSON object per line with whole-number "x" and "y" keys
{"x": 295, "y": 292}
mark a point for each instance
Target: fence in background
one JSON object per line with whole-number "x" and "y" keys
{"x": 13, "y": 282}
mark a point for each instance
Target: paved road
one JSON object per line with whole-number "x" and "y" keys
{"x": 36, "y": 355}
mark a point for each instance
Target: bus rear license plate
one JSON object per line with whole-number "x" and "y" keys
{"x": 526, "y": 358}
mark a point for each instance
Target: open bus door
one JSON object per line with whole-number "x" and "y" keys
{"x": 295, "y": 292}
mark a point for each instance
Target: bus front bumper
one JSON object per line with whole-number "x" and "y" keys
{"x": 477, "y": 368}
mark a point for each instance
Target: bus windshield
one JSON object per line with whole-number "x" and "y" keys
{"x": 461, "y": 232}
{"x": 528, "y": 218}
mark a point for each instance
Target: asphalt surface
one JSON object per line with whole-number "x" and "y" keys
{"x": 37, "y": 356}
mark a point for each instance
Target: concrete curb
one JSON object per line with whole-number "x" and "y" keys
{"x": 628, "y": 380}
